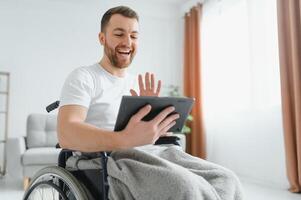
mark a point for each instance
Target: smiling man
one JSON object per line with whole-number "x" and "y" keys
{"x": 91, "y": 95}
{"x": 89, "y": 105}
{"x": 120, "y": 40}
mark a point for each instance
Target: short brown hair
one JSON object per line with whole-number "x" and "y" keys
{"x": 122, "y": 10}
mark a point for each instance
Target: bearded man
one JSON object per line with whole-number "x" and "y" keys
{"x": 91, "y": 95}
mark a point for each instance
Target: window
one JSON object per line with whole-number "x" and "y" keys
{"x": 240, "y": 68}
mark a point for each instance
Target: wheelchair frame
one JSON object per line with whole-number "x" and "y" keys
{"x": 94, "y": 179}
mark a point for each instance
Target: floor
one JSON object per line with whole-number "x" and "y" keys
{"x": 13, "y": 190}
{"x": 257, "y": 192}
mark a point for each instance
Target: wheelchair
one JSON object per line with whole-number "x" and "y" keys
{"x": 60, "y": 183}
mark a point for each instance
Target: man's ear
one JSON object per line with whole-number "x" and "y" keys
{"x": 101, "y": 37}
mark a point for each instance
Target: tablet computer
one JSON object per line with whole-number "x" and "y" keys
{"x": 130, "y": 105}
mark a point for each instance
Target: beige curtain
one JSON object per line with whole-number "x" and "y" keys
{"x": 192, "y": 80}
{"x": 289, "y": 28}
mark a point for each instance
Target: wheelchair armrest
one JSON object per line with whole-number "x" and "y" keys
{"x": 66, "y": 153}
{"x": 168, "y": 140}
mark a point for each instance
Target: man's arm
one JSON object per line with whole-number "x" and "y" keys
{"x": 75, "y": 134}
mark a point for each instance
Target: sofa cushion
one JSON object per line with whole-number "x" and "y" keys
{"x": 41, "y": 130}
{"x": 41, "y": 156}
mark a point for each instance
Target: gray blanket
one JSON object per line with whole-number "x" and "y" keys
{"x": 161, "y": 173}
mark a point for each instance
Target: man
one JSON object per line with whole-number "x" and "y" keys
{"x": 88, "y": 111}
{"x": 91, "y": 95}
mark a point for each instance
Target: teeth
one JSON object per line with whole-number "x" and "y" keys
{"x": 124, "y": 51}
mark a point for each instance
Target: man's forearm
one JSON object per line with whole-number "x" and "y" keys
{"x": 84, "y": 137}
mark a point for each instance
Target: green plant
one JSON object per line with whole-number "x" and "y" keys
{"x": 174, "y": 91}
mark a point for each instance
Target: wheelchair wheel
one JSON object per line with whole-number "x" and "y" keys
{"x": 56, "y": 183}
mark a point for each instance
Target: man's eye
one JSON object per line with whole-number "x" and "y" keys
{"x": 134, "y": 37}
{"x": 118, "y": 35}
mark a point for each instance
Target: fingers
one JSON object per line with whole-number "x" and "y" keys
{"x": 162, "y": 115}
{"x": 133, "y": 92}
{"x": 158, "y": 88}
{"x": 152, "y": 82}
{"x": 147, "y": 82}
{"x": 141, "y": 113}
{"x": 166, "y": 128}
{"x": 140, "y": 81}
{"x": 168, "y": 121}
{"x": 147, "y": 87}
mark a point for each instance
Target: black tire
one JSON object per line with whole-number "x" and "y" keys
{"x": 49, "y": 175}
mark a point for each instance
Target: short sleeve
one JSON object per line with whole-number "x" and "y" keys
{"x": 77, "y": 89}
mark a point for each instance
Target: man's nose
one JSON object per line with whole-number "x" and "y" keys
{"x": 127, "y": 40}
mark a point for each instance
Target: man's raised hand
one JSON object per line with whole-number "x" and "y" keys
{"x": 148, "y": 87}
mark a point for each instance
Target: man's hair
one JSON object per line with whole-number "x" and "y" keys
{"x": 122, "y": 10}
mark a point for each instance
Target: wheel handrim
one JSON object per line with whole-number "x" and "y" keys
{"x": 51, "y": 186}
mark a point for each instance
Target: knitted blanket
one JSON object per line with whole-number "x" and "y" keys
{"x": 161, "y": 173}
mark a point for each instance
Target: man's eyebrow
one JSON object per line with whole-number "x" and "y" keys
{"x": 123, "y": 30}
{"x": 119, "y": 29}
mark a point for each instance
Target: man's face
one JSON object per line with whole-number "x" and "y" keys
{"x": 120, "y": 40}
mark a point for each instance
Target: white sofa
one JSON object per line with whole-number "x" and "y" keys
{"x": 37, "y": 149}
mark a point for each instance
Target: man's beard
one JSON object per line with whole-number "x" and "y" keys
{"x": 113, "y": 57}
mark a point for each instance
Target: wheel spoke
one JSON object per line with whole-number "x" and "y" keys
{"x": 47, "y": 190}
{"x": 55, "y": 183}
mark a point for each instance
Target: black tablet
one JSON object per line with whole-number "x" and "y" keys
{"x": 131, "y": 104}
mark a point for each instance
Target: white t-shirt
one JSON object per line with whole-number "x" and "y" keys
{"x": 96, "y": 89}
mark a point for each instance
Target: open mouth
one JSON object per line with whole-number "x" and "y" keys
{"x": 124, "y": 52}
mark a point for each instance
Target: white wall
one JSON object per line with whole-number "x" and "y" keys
{"x": 43, "y": 40}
